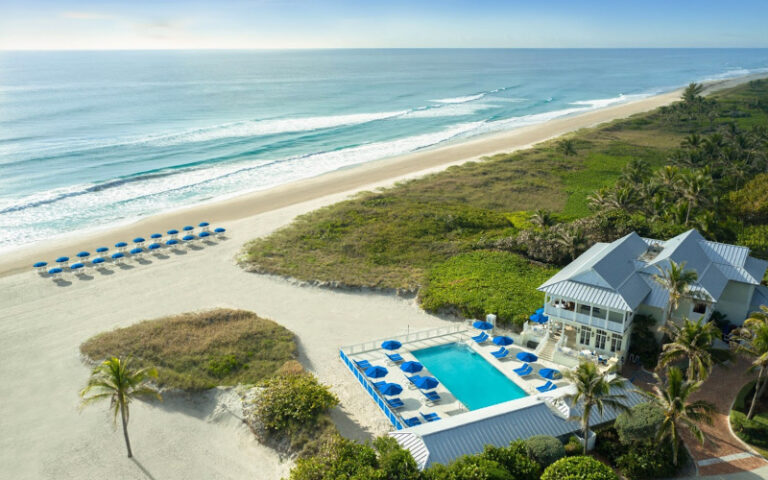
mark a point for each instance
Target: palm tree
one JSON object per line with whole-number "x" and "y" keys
{"x": 573, "y": 240}
{"x": 114, "y": 379}
{"x": 694, "y": 187}
{"x": 636, "y": 171}
{"x": 692, "y": 141}
{"x": 542, "y": 218}
{"x": 624, "y": 198}
{"x": 754, "y": 342}
{"x": 567, "y": 147}
{"x": 672, "y": 399}
{"x": 693, "y": 341}
{"x": 677, "y": 281}
{"x": 593, "y": 390}
{"x": 600, "y": 199}
{"x": 692, "y": 93}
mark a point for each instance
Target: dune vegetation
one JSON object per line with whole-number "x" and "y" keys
{"x": 200, "y": 350}
{"x": 692, "y": 164}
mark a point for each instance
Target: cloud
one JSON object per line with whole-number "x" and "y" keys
{"x": 86, "y": 16}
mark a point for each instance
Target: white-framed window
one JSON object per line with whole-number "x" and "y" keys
{"x": 615, "y": 342}
{"x": 700, "y": 308}
{"x": 600, "y": 340}
{"x": 585, "y": 335}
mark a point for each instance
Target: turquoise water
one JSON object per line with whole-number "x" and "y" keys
{"x": 468, "y": 376}
{"x": 95, "y": 138}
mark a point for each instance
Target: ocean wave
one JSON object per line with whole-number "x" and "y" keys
{"x": 465, "y": 99}
{"x": 604, "y": 102}
{"x": 734, "y": 73}
{"x": 447, "y": 110}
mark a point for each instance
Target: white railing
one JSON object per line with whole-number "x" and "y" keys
{"x": 584, "y": 319}
{"x": 405, "y": 339}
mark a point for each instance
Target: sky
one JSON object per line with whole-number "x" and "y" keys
{"x": 280, "y": 24}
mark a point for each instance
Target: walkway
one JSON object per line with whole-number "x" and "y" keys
{"x": 723, "y": 453}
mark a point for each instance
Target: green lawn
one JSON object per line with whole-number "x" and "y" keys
{"x": 753, "y": 431}
{"x": 195, "y": 351}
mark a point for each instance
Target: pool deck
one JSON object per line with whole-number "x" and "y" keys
{"x": 415, "y": 403}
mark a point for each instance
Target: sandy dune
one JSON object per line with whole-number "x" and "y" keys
{"x": 42, "y": 433}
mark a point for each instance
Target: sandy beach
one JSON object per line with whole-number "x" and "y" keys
{"x": 44, "y": 435}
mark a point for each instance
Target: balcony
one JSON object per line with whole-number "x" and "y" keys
{"x": 583, "y": 319}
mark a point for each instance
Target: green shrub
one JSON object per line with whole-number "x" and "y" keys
{"x": 545, "y": 449}
{"x": 482, "y": 282}
{"x": 643, "y": 341}
{"x": 578, "y": 468}
{"x": 756, "y": 238}
{"x": 515, "y": 460}
{"x": 291, "y": 400}
{"x": 607, "y": 444}
{"x": 640, "y": 424}
{"x": 648, "y": 460}
{"x": 573, "y": 447}
{"x": 469, "y": 467}
{"x": 751, "y": 202}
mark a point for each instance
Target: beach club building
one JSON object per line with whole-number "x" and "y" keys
{"x": 591, "y": 302}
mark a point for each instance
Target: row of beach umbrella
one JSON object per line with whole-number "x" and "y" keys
{"x": 83, "y": 258}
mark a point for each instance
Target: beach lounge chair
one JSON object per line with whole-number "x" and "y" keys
{"x": 480, "y": 338}
{"x": 410, "y": 381}
{"x": 500, "y": 353}
{"x": 525, "y": 372}
{"x": 395, "y": 403}
{"x": 521, "y": 368}
{"x": 432, "y": 397}
{"x": 547, "y": 387}
{"x": 363, "y": 364}
{"x": 412, "y": 422}
{"x": 379, "y": 385}
{"x": 394, "y": 357}
{"x": 430, "y": 417}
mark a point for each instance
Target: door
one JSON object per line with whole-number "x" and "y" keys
{"x": 615, "y": 343}
{"x": 600, "y": 342}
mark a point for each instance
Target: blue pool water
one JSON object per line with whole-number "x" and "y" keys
{"x": 469, "y": 377}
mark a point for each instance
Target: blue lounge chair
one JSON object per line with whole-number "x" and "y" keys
{"x": 379, "y": 385}
{"x": 410, "y": 381}
{"x": 547, "y": 387}
{"x": 480, "y": 338}
{"x": 432, "y": 397}
{"x": 526, "y": 372}
{"x": 521, "y": 368}
{"x": 412, "y": 422}
{"x": 363, "y": 364}
{"x": 430, "y": 417}
{"x": 500, "y": 353}
{"x": 395, "y": 403}
{"x": 395, "y": 357}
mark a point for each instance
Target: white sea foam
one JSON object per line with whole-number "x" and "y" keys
{"x": 604, "y": 102}
{"x": 447, "y": 110}
{"x": 465, "y": 99}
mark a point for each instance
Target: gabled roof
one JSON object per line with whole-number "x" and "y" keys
{"x": 620, "y": 274}
{"x": 469, "y": 433}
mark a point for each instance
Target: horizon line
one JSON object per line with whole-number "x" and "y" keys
{"x": 364, "y": 48}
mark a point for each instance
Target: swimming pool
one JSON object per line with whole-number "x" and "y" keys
{"x": 468, "y": 376}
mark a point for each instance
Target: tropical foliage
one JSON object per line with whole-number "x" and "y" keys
{"x": 639, "y": 424}
{"x": 116, "y": 380}
{"x": 594, "y": 392}
{"x": 752, "y": 340}
{"x": 672, "y": 397}
{"x": 545, "y": 449}
{"x": 578, "y": 468}
{"x": 292, "y": 400}
{"x": 677, "y": 281}
{"x": 694, "y": 343}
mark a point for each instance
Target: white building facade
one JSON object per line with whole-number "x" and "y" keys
{"x": 593, "y": 300}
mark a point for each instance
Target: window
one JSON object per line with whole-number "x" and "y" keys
{"x": 584, "y": 309}
{"x": 615, "y": 343}
{"x": 615, "y": 317}
{"x": 585, "y": 334}
{"x": 600, "y": 342}
{"x": 700, "y": 307}
{"x": 598, "y": 313}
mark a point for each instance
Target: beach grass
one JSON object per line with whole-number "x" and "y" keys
{"x": 201, "y": 350}
{"x": 405, "y": 237}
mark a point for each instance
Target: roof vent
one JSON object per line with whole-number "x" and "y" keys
{"x": 652, "y": 252}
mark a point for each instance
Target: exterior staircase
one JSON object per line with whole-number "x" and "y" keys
{"x": 546, "y": 352}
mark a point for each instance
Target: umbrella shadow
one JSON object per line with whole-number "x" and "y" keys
{"x": 143, "y": 469}
{"x": 143, "y": 261}
{"x": 105, "y": 271}
{"x": 125, "y": 266}
{"x": 161, "y": 256}
{"x": 60, "y": 282}
{"x": 194, "y": 247}
{"x": 210, "y": 243}
{"x": 179, "y": 251}
{"x": 85, "y": 277}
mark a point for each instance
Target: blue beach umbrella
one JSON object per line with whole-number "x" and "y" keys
{"x": 482, "y": 325}
{"x": 411, "y": 367}
{"x": 97, "y": 260}
{"x": 172, "y": 232}
{"x": 391, "y": 345}
{"x": 40, "y": 264}
{"x": 136, "y": 250}
{"x": 391, "y": 389}
{"x": 540, "y": 310}
{"x": 550, "y": 373}
{"x": 219, "y": 230}
{"x": 54, "y": 271}
{"x": 426, "y": 383}
{"x": 203, "y": 224}
{"x": 138, "y": 240}
{"x": 76, "y": 266}
{"x": 204, "y": 234}
{"x": 62, "y": 259}
{"x": 102, "y": 250}
{"x": 156, "y": 235}
{"x": 118, "y": 255}
{"x": 503, "y": 340}
{"x": 172, "y": 242}
{"x": 526, "y": 357}
{"x": 154, "y": 246}
{"x": 188, "y": 228}
{"x": 539, "y": 318}
{"x": 376, "y": 371}
{"x": 188, "y": 238}
{"x": 83, "y": 254}
{"x": 121, "y": 245}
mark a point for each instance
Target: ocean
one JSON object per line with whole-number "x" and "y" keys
{"x": 92, "y": 139}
